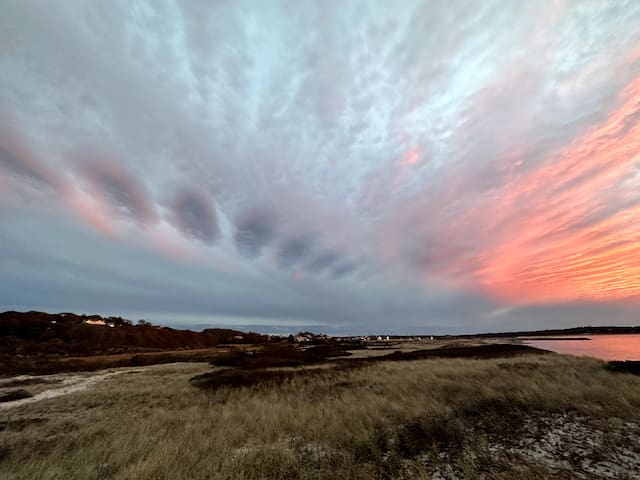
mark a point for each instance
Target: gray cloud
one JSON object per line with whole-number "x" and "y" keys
{"x": 323, "y": 261}
{"x": 451, "y": 158}
{"x": 122, "y": 190}
{"x": 15, "y": 166}
{"x": 18, "y": 160}
{"x": 295, "y": 249}
{"x": 343, "y": 270}
{"x": 254, "y": 231}
{"x": 195, "y": 216}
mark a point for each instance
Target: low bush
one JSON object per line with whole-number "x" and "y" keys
{"x": 628, "y": 366}
{"x": 12, "y": 395}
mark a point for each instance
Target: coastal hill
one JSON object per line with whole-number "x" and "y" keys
{"x": 38, "y": 333}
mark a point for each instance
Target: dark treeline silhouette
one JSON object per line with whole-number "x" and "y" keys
{"x": 576, "y": 331}
{"x": 39, "y": 333}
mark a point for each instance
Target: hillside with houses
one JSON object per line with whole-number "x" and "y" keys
{"x": 39, "y": 333}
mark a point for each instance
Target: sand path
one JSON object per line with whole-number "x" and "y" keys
{"x": 56, "y": 385}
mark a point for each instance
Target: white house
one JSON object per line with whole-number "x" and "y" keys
{"x": 95, "y": 322}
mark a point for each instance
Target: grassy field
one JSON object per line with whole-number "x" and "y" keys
{"x": 49, "y": 364}
{"x": 531, "y": 417}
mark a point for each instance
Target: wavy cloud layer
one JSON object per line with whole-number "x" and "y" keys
{"x": 434, "y": 165}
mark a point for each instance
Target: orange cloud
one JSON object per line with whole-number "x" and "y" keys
{"x": 570, "y": 229}
{"x": 412, "y": 157}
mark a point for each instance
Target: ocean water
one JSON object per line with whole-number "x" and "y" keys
{"x": 604, "y": 347}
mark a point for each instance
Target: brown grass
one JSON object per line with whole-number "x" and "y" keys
{"x": 12, "y": 395}
{"x": 390, "y": 419}
{"x": 265, "y": 366}
{"x": 49, "y": 364}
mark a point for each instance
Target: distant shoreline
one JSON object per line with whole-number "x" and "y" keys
{"x": 542, "y": 339}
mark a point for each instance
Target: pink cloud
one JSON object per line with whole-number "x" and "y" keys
{"x": 566, "y": 230}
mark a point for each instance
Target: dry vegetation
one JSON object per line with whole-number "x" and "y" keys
{"x": 428, "y": 418}
{"x": 45, "y": 343}
{"x": 50, "y": 364}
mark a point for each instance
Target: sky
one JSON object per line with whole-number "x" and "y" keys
{"x": 343, "y": 167}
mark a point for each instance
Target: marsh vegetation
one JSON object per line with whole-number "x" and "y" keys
{"x": 529, "y": 417}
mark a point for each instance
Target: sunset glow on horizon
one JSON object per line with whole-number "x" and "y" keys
{"x": 552, "y": 236}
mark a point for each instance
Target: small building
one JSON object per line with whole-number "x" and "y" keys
{"x": 95, "y": 322}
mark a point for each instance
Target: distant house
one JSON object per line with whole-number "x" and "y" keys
{"x": 95, "y": 322}
{"x": 303, "y": 337}
{"x": 99, "y": 321}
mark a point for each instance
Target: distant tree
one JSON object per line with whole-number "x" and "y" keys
{"x": 143, "y": 323}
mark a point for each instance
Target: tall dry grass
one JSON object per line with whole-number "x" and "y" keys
{"x": 387, "y": 420}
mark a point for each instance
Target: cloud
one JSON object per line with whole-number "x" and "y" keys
{"x": 194, "y": 214}
{"x": 431, "y": 162}
{"x": 254, "y": 231}
{"x": 17, "y": 159}
{"x": 294, "y": 250}
{"x": 343, "y": 270}
{"x": 561, "y": 231}
{"x": 121, "y": 190}
{"x": 323, "y": 261}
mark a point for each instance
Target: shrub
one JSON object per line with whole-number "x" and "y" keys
{"x": 628, "y": 366}
{"x": 12, "y": 395}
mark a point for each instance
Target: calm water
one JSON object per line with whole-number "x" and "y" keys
{"x": 604, "y": 347}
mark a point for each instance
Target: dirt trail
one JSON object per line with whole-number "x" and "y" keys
{"x": 61, "y": 384}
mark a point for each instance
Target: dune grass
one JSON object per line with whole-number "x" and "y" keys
{"x": 388, "y": 420}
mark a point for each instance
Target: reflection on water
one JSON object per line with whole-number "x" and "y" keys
{"x": 605, "y": 347}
